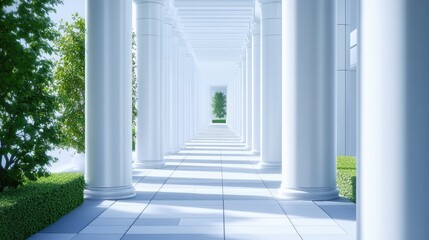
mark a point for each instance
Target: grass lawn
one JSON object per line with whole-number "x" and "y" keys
{"x": 219, "y": 121}
{"x": 346, "y": 176}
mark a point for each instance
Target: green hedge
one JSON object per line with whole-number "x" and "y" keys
{"x": 219, "y": 121}
{"x": 30, "y": 208}
{"x": 346, "y": 176}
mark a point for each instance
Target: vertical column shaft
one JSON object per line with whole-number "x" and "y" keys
{"x": 239, "y": 101}
{"x": 243, "y": 89}
{"x": 174, "y": 97}
{"x": 166, "y": 85}
{"x": 256, "y": 87}
{"x": 149, "y": 77}
{"x": 392, "y": 193}
{"x": 186, "y": 93}
{"x": 271, "y": 82}
{"x": 249, "y": 106}
{"x": 180, "y": 90}
{"x": 108, "y": 100}
{"x": 309, "y": 93}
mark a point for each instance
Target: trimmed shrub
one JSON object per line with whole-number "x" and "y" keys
{"x": 219, "y": 121}
{"x": 346, "y": 177}
{"x": 32, "y": 207}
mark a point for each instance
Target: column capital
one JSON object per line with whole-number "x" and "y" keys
{"x": 243, "y": 54}
{"x": 168, "y": 19}
{"x": 262, "y": 2}
{"x": 162, "y": 2}
{"x": 169, "y": 15}
{"x": 248, "y": 40}
{"x": 255, "y": 26}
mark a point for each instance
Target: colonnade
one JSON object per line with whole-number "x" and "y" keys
{"x": 295, "y": 107}
{"x": 167, "y": 80}
{"x": 257, "y": 117}
{"x": 301, "y": 100}
{"x": 167, "y": 77}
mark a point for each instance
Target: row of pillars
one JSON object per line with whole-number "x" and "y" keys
{"x": 298, "y": 135}
{"x": 296, "y": 107}
{"x": 167, "y": 82}
{"x": 291, "y": 56}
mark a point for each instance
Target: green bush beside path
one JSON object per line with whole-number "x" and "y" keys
{"x": 30, "y": 208}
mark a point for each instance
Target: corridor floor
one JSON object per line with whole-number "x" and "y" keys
{"x": 209, "y": 190}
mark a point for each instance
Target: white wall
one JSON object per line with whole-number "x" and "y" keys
{"x": 346, "y": 79}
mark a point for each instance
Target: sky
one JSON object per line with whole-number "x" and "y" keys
{"x": 70, "y": 7}
{"x": 66, "y": 10}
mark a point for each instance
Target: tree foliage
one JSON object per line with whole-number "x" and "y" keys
{"x": 219, "y": 105}
{"x": 27, "y": 105}
{"x": 134, "y": 80}
{"x": 70, "y": 83}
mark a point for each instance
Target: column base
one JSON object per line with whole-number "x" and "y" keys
{"x": 309, "y": 193}
{"x": 268, "y": 165}
{"x": 247, "y": 148}
{"x": 256, "y": 152}
{"x": 149, "y": 164}
{"x": 109, "y": 193}
{"x": 171, "y": 151}
{"x": 249, "y": 152}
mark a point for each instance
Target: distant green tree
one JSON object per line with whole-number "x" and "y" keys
{"x": 70, "y": 83}
{"x": 219, "y": 105}
{"x": 27, "y": 105}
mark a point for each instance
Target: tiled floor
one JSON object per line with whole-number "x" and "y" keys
{"x": 209, "y": 190}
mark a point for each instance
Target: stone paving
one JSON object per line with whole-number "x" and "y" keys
{"x": 208, "y": 190}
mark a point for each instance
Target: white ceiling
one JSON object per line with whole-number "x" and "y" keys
{"x": 215, "y": 29}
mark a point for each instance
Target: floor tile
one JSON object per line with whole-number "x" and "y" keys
{"x": 249, "y": 222}
{"x": 105, "y": 229}
{"x": 113, "y": 222}
{"x": 52, "y": 236}
{"x": 263, "y": 236}
{"x": 157, "y": 222}
{"x": 173, "y": 237}
{"x": 175, "y": 230}
{"x": 119, "y": 211}
{"x": 91, "y": 236}
{"x": 287, "y": 229}
{"x": 319, "y": 230}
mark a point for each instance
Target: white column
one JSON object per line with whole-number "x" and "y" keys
{"x": 309, "y": 93}
{"x": 393, "y": 177}
{"x": 174, "y": 114}
{"x": 180, "y": 89}
{"x": 149, "y": 78}
{"x": 194, "y": 103}
{"x": 234, "y": 105}
{"x": 230, "y": 106}
{"x": 191, "y": 99}
{"x": 271, "y": 82}
{"x": 166, "y": 84}
{"x": 196, "y": 99}
{"x": 108, "y": 172}
{"x": 243, "y": 95}
{"x": 239, "y": 99}
{"x": 249, "y": 106}
{"x": 256, "y": 87}
{"x": 186, "y": 93}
